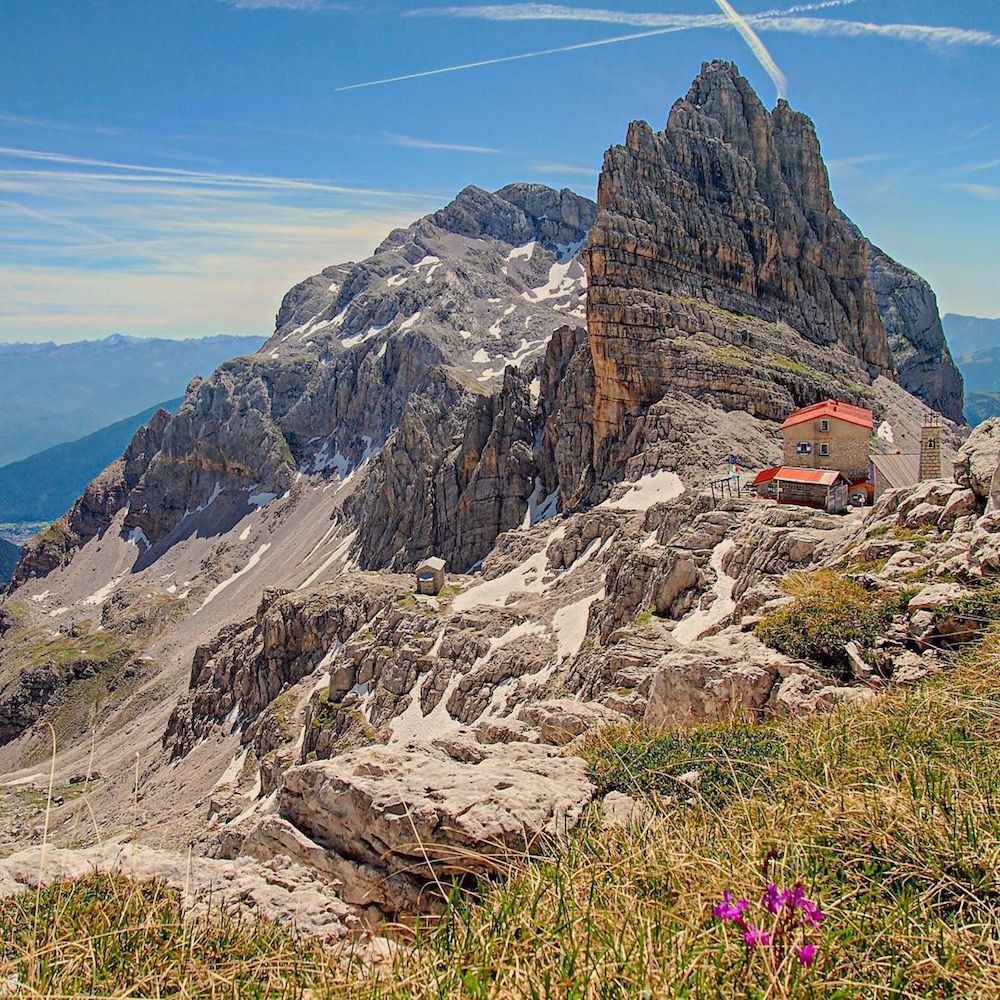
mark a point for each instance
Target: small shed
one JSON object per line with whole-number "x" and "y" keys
{"x": 430, "y": 576}
{"x": 825, "y": 489}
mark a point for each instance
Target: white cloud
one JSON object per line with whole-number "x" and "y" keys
{"x": 89, "y": 253}
{"x": 755, "y": 45}
{"x": 920, "y": 33}
{"x": 282, "y": 5}
{"x": 984, "y": 192}
{"x": 565, "y": 168}
{"x": 975, "y": 168}
{"x": 409, "y": 142}
{"x": 180, "y": 175}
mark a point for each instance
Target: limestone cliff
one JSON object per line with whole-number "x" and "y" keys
{"x": 909, "y": 310}
{"x": 723, "y": 219}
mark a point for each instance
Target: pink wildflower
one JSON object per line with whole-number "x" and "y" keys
{"x": 729, "y": 908}
{"x": 806, "y": 954}
{"x": 773, "y": 900}
{"x": 754, "y": 937}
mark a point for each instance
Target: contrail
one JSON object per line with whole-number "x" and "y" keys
{"x": 756, "y": 46}
{"x": 923, "y": 33}
{"x": 782, "y": 20}
{"x": 506, "y": 59}
{"x": 560, "y": 12}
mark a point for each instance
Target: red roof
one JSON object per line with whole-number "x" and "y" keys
{"x": 821, "y": 477}
{"x": 766, "y": 475}
{"x": 831, "y": 409}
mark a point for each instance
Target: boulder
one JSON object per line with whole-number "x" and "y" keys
{"x": 724, "y": 676}
{"x": 561, "y": 720}
{"x": 434, "y": 810}
{"x": 912, "y": 668}
{"x": 978, "y": 459}
{"x": 807, "y": 694}
{"x": 936, "y": 595}
{"x": 620, "y": 810}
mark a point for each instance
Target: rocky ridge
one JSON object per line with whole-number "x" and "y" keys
{"x": 559, "y": 470}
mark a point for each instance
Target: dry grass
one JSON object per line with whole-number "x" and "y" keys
{"x": 886, "y": 813}
{"x": 828, "y": 611}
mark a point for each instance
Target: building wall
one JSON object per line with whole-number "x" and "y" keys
{"x": 847, "y": 444}
{"x": 833, "y": 498}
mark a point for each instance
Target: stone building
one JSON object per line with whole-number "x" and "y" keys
{"x": 824, "y": 489}
{"x": 430, "y": 576}
{"x": 930, "y": 450}
{"x": 831, "y": 435}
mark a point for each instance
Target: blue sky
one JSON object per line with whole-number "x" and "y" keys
{"x": 171, "y": 167}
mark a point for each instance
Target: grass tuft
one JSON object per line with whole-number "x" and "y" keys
{"x": 829, "y": 610}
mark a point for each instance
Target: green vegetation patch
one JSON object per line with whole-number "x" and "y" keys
{"x": 728, "y": 760}
{"x": 831, "y": 611}
{"x": 885, "y": 815}
{"x": 982, "y": 604}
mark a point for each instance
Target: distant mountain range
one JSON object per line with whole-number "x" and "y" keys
{"x": 44, "y": 486}
{"x": 969, "y": 335}
{"x": 53, "y": 393}
{"x": 975, "y": 346}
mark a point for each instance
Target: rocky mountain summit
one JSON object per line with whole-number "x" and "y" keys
{"x": 720, "y": 268}
{"x": 536, "y": 389}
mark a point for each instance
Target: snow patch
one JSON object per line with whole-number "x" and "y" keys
{"x": 564, "y": 278}
{"x": 698, "y": 622}
{"x": 138, "y": 537}
{"x": 570, "y": 624}
{"x": 527, "y": 577}
{"x": 411, "y": 322}
{"x": 522, "y": 253}
{"x": 885, "y": 432}
{"x": 541, "y": 505}
{"x": 340, "y": 552}
{"x": 100, "y": 596}
{"x": 259, "y": 500}
{"x": 360, "y": 338}
{"x": 650, "y": 489}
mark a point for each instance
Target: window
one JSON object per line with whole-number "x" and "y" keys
{"x": 824, "y": 426}
{"x": 824, "y": 449}
{"x": 804, "y": 448}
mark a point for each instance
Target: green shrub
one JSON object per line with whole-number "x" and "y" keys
{"x": 820, "y": 622}
{"x": 727, "y": 760}
{"x": 983, "y": 603}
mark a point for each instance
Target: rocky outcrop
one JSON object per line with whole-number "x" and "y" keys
{"x": 909, "y": 311}
{"x": 978, "y": 458}
{"x": 274, "y": 889}
{"x": 431, "y": 812}
{"x": 456, "y": 474}
{"x": 518, "y": 214}
{"x": 724, "y": 216}
{"x": 247, "y": 666}
{"x": 93, "y": 513}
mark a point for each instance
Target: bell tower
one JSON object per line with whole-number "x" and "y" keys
{"x": 930, "y": 449}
